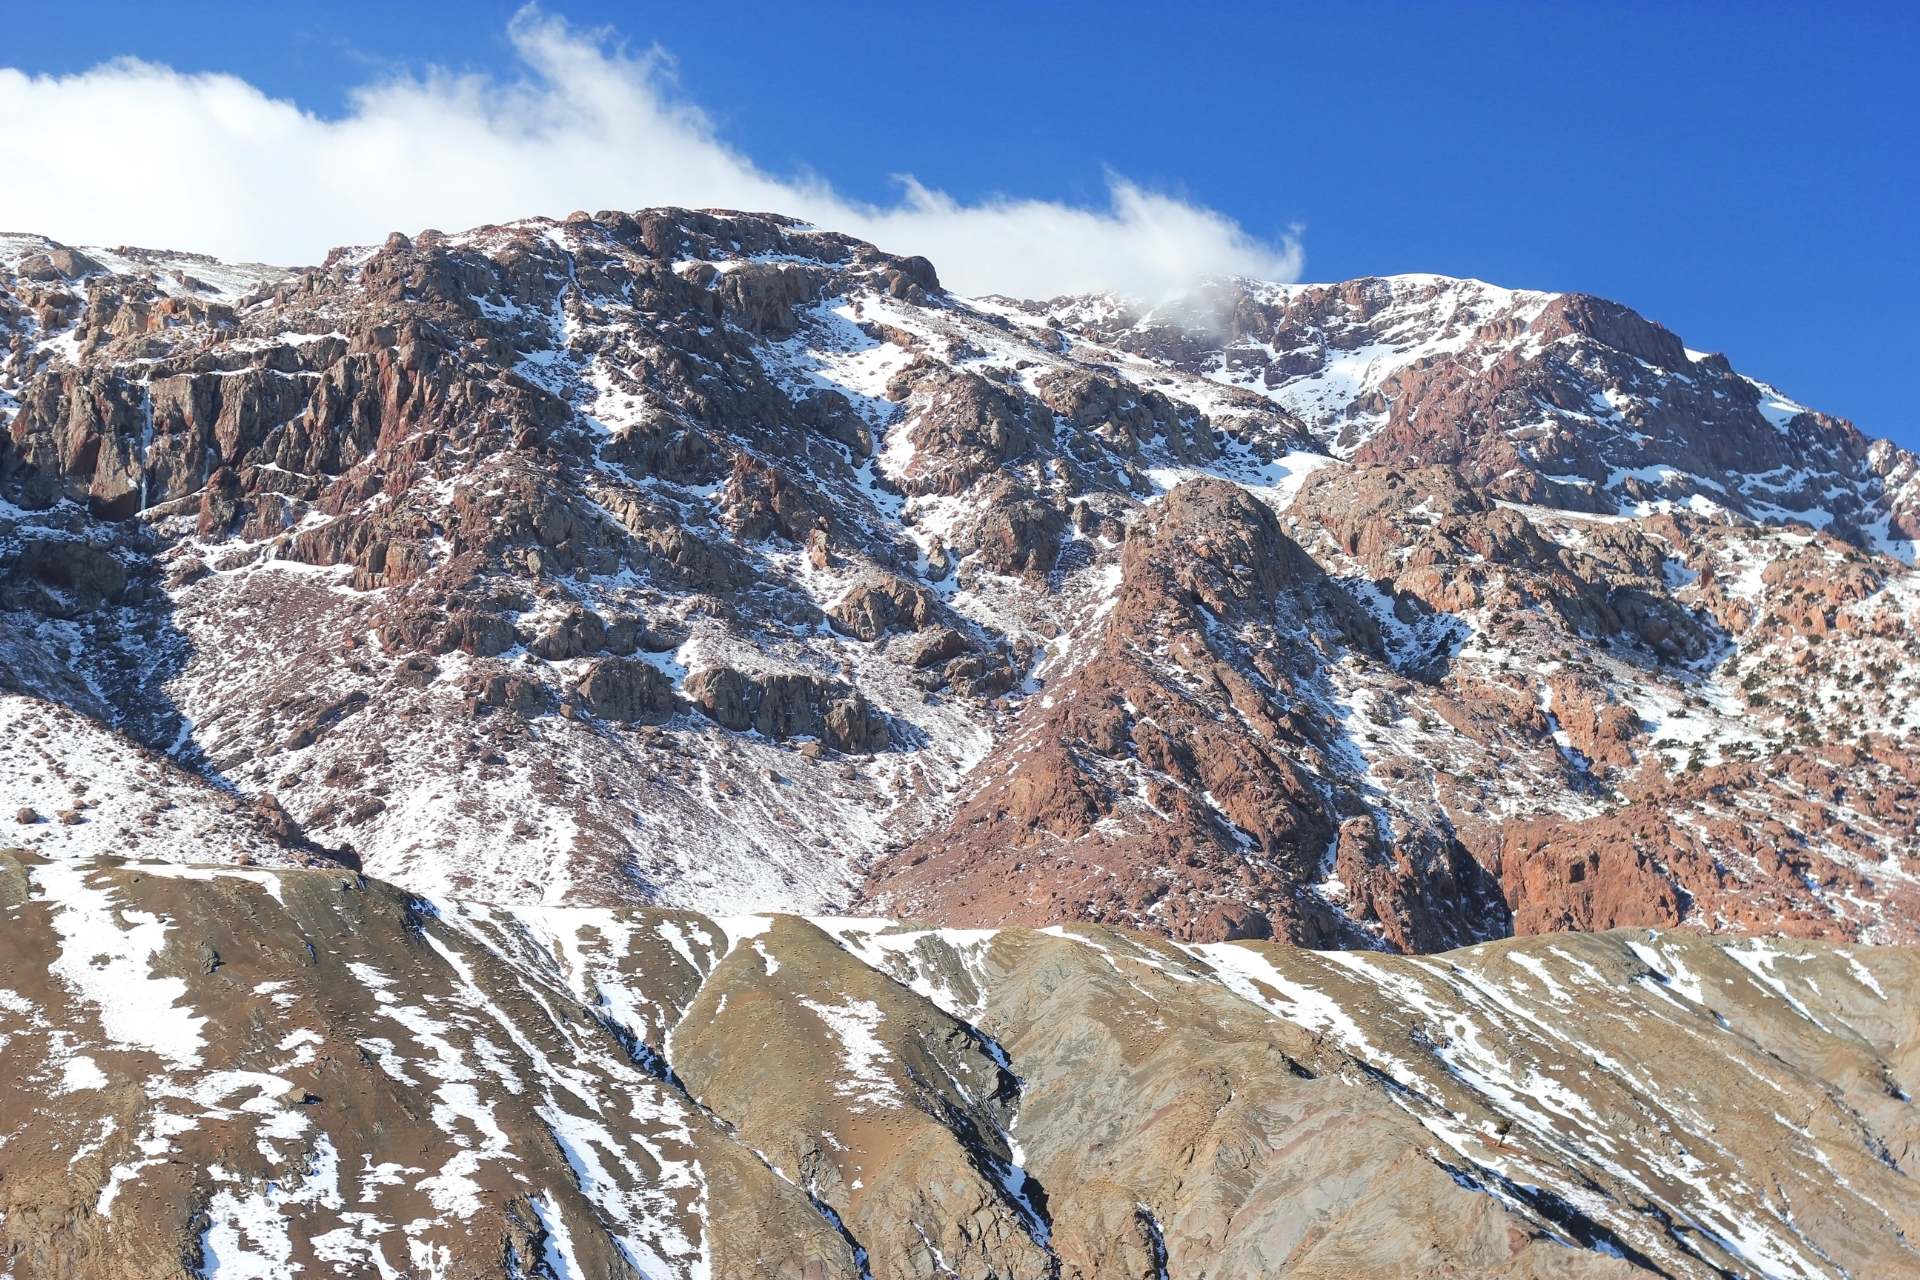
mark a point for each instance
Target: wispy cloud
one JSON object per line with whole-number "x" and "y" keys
{"x": 132, "y": 152}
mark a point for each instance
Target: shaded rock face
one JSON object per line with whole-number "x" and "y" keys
{"x": 789, "y": 706}
{"x": 628, "y": 691}
{"x": 713, "y": 560}
{"x": 314, "y": 1070}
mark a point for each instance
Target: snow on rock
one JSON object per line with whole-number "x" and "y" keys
{"x": 717, "y": 561}
{"x": 106, "y": 959}
{"x": 431, "y": 1074}
{"x": 863, "y": 1056}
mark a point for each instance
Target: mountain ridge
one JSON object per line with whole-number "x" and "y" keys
{"x": 692, "y": 518}
{"x": 1397, "y": 775}
{"x": 290, "y": 1068}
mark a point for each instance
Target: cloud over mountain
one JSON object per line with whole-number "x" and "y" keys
{"x": 136, "y": 151}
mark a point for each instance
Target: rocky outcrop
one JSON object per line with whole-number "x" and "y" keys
{"x": 788, "y": 705}
{"x": 965, "y": 427}
{"x": 873, "y": 609}
{"x": 627, "y": 691}
{"x": 1016, "y": 536}
{"x": 1603, "y": 731}
{"x": 1201, "y": 796}
{"x": 61, "y": 576}
{"x": 507, "y": 691}
{"x": 1431, "y": 536}
{"x": 574, "y": 632}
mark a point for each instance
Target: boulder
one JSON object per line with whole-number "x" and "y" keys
{"x": 573, "y": 633}
{"x": 937, "y": 647}
{"x": 1021, "y": 536}
{"x": 506, "y": 691}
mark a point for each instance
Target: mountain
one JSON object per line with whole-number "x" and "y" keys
{"x": 1403, "y": 777}
{"x": 249, "y": 1072}
{"x": 716, "y": 561}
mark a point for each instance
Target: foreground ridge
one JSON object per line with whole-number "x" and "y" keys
{"x": 307, "y": 1069}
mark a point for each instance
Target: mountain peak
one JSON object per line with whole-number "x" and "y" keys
{"x": 475, "y": 677}
{"x": 562, "y": 538}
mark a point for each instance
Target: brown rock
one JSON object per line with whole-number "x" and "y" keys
{"x": 937, "y": 647}
{"x": 872, "y": 609}
{"x": 788, "y": 706}
{"x": 575, "y": 632}
{"x": 507, "y": 691}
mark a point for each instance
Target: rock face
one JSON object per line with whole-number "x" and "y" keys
{"x": 712, "y": 560}
{"x": 1202, "y": 734}
{"x": 305, "y": 1069}
{"x": 789, "y": 706}
{"x": 1565, "y": 399}
{"x": 627, "y": 691}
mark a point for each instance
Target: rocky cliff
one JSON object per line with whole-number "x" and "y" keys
{"x": 713, "y": 560}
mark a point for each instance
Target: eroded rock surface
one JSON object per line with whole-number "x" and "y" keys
{"x": 713, "y": 560}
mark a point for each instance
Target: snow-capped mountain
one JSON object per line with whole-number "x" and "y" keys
{"x": 468, "y": 710}
{"x": 717, "y": 561}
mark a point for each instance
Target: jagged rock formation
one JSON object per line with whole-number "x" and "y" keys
{"x": 712, "y": 560}
{"x": 255, "y": 1071}
{"x": 1206, "y": 712}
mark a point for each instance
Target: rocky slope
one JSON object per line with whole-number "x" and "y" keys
{"x": 712, "y": 560}
{"x": 253, "y": 1072}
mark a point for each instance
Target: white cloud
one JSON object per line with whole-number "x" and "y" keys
{"x": 130, "y": 152}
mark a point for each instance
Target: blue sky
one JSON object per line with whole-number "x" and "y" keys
{"x": 1746, "y": 174}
